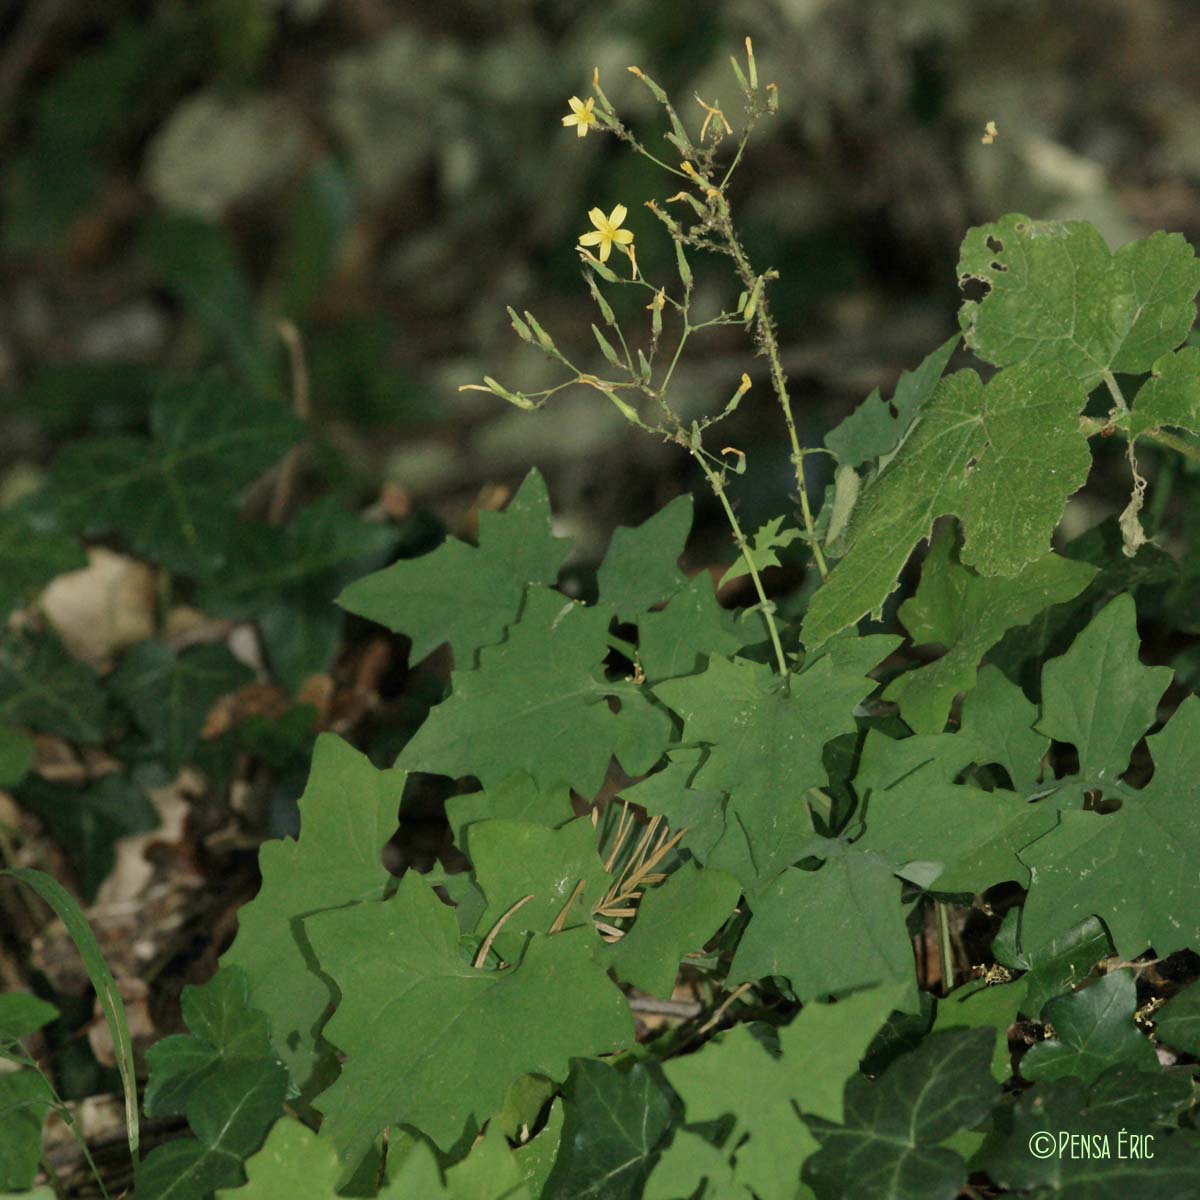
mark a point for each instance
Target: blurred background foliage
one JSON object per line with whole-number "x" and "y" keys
{"x": 180, "y": 174}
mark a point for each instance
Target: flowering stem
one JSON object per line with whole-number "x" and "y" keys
{"x": 718, "y": 486}
{"x": 766, "y": 333}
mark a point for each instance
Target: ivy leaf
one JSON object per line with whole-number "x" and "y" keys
{"x": 42, "y": 686}
{"x": 22, "y": 1014}
{"x": 420, "y": 1015}
{"x": 88, "y": 822}
{"x": 640, "y": 567}
{"x": 1057, "y": 295}
{"x": 171, "y": 496}
{"x": 1178, "y": 1021}
{"x": 769, "y": 538}
{"x": 16, "y": 756}
{"x": 828, "y": 931}
{"x": 692, "y": 627}
{"x": 678, "y": 915}
{"x": 968, "y": 614}
{"x": 1099, "y": 697}
{"x": 888, "y": 1147}
{"x": 1058, "y": 965}
{"x": 513, "y": 859}
{"x": 198, "y": 262}
{"x": 978, "y": 1005}
{"x": 170, "y": 695}
{"x": 29, "y": 560}
{"x": 536, "y": 704}
{"x": 875, "y": 428}
{"x": 461, "y": 594}
{"x": 1101, "y": 1116}
{"x": 765, "y": 749}
{"x": 1095, "y": 1031}
{"x": 978, "y": 453}
{"x": 348, "y": 813}
{"x": 224, "y": 1029}
{"x": 614, "y": 1121}
{"x": 736, "y": 1074}
{"x": 1171, "y": 396}
{"x": 286, "y": 579}
{"x": 1096, "y": 864}
{"x": 229, "y": 1114}
{"x": 25, "y": 1099}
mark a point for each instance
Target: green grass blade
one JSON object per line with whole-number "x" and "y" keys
{"x": 72, "y": 917}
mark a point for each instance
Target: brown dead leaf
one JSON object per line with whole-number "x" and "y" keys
{"x": 104, "y": 608}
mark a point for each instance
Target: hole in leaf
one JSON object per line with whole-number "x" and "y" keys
{"x": 994, "y": 244}
{"x": 893, "y": 410}
{"x": 972, "y": 463}
{"x": 1094, "y": 801}
{"x": 974, "y": 288}
{"x": 996, "y": 265}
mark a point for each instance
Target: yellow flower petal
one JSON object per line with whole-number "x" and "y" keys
{"x": 622, "y": 236}
{"x": 598, "y": 219}
{"x": 581, "y": 129}
{"x": 618, "y": 215}
{"x": 570, "y": 120}
{"x": 591, "y": 238}
{"x": 605, "y": 249}
{"x": 577, "y": 105}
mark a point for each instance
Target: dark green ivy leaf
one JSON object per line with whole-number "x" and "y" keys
{"x": 42, "y": 686}
{"x": 1076, "y": 1141}
{"x": 1178, "y": 1021}
{"x": 615, "y": 1122}
{"x": 197, "y": 261}
{"x": 286, "y": 580}
{"x": 25, "y": 1098}
{"x": 230, "y": 1113}
{"x": 16, "y": 756}
{"x": 224, "y": 1029}
{"x": 170, "y": 695}
{"x": 171, "y": 495}
{"x": 29, "y": 560}
{"x": 889, "y": 1145}
{"x": 87, "y": 822}
{"x": 21, "y": 1014}
{"x": 1094, "y": 1030}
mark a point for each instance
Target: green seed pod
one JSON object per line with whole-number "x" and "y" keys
{"x": 544, "y": 339}
{"x": 521, "y": 328}
{"x": 685, "y": 271}
{"x": 606, "y": 347}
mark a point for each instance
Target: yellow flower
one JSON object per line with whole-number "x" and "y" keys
{"x": 608, "y": 230}
{"x": 581, "y": 115}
